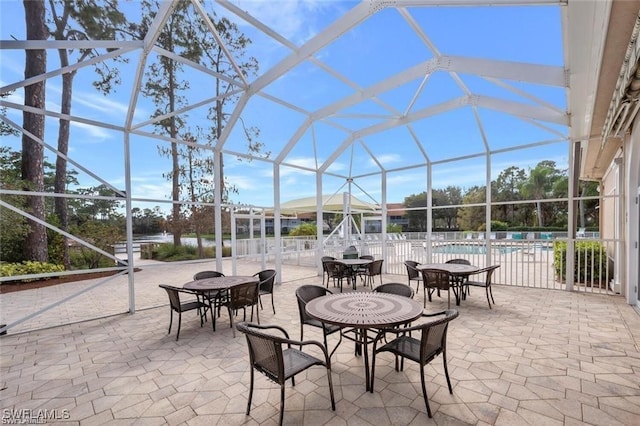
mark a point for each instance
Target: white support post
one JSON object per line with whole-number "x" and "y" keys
{"x": 277, "y": 222}
{"x": 385, "y": 254}
{"x": 234, "y": 251}
{"x": 574, "y": 156}
{"x": 129, "y": 223}
{"x": 320, "y": 226}
{"x": 263, "y": 238}
{"x": 620, "y": 220}
{"x": 487, "y": 237}
{"x": 429, "y": 213}
{"x": 346, "y": 222}
{"x": 217, "y": 208}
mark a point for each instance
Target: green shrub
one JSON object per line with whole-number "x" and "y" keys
{"x": 304, "y": 229}
{"x": 590, "y": 261}
{"x": 100, "y": 234}
{"x": 496, "y": 225}
{"x": 13, "y": 231}
{"x": 55, "y": 242}
{"x": 27, "y": 268}
{"x": 394, "y": 228}
{"x": 85, "y": 258}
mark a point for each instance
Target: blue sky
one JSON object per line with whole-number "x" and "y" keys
{"x": 382, "y": 46}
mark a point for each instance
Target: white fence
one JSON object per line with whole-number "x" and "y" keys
{"x": 524, "y": 260}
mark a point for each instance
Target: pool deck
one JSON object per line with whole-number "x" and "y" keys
{"x": 538, "y": 357}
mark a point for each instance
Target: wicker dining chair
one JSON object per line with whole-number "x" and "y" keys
{"x": 207, "y": 274}
{"x": 361, "y": 271}
{"x": 267, "y": 355}
{"x": 399, "y": 289}
{"x": 459, "y": 261}
{"x": 325, "y": 271}
{"x": 212, "y": 296}
{"x": 486, "y": 283}
{"x": 437, "y": 280}
{"x": 433, "y": 342}
{"x": 413, "y": 274}
{"x": 338, "y": 272}
{"x": 267, "y": 280}
{"x": 305, "y": 294}
{"x": 373, "y": 269}
{"x": 176, "y": 305}
{"x": 395, "y": 288}
{"x": 461, "y": 280}
{"x": 242, "y": 297}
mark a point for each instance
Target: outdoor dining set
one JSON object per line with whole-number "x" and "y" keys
{"x": 385, "y": 317}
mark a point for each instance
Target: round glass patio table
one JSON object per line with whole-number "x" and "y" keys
{"x": 364, "y": 310}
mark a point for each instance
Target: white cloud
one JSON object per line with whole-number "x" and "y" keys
{"x": 289, "y": 18}
{"x": 386, "y": 159}
{"x": 306, "y": 162}
{"x": 94, "y": 134}
{"x": 244, "y": 182}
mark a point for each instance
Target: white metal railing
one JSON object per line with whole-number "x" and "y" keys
{"x": 524, "y": 262}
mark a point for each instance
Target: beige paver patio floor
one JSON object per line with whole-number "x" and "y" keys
{"x": 539, "y": 357}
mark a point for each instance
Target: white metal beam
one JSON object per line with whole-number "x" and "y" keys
{"x": 518, "y": 71}
{"x": 522, "y": 110}
{"x": 475, "y": 3}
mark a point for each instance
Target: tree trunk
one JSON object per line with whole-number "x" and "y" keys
{"x": 175, "y": 176}
{"x": 35, "y": 247}
{"x": 581, "y": 207}
{"x": 539, "y": 214}
{"x": 60, "y": 183}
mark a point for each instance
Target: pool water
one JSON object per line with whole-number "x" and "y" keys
{"x": 472, "y": 249}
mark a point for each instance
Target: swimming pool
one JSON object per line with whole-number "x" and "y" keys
{"x": 456, "y": 248}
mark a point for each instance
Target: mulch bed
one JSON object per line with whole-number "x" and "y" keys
{"x": 9, "y": 287}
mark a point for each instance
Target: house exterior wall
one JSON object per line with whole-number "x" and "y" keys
{"x": 632, "y": 213}
{"x": 620, "y": 214}
{"x": 608, "y": 191}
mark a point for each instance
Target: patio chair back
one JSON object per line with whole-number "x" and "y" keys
{"x": 459, "y": 261}
{"x": 436, "y": 280}
{"x": 395, "y": 288}
{"x": 373, "y": 269}
{"x": 305, "y": 294}
{"x": 242, "y": 297}
{"x": 267, "y": 280}
{"x": 413, "y": 274}
{"x": 207, "y": 274}
{"x": 338, "y": 271}
{"x": 325, "y": 272}
{"x": 489, "y": 270}
{"x": 433, "y": 342}
{"x": 176, "y": 305}
{"x": 267, "y": 356}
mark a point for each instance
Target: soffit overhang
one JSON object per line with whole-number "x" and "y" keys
{"x": 611, "y": 74}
